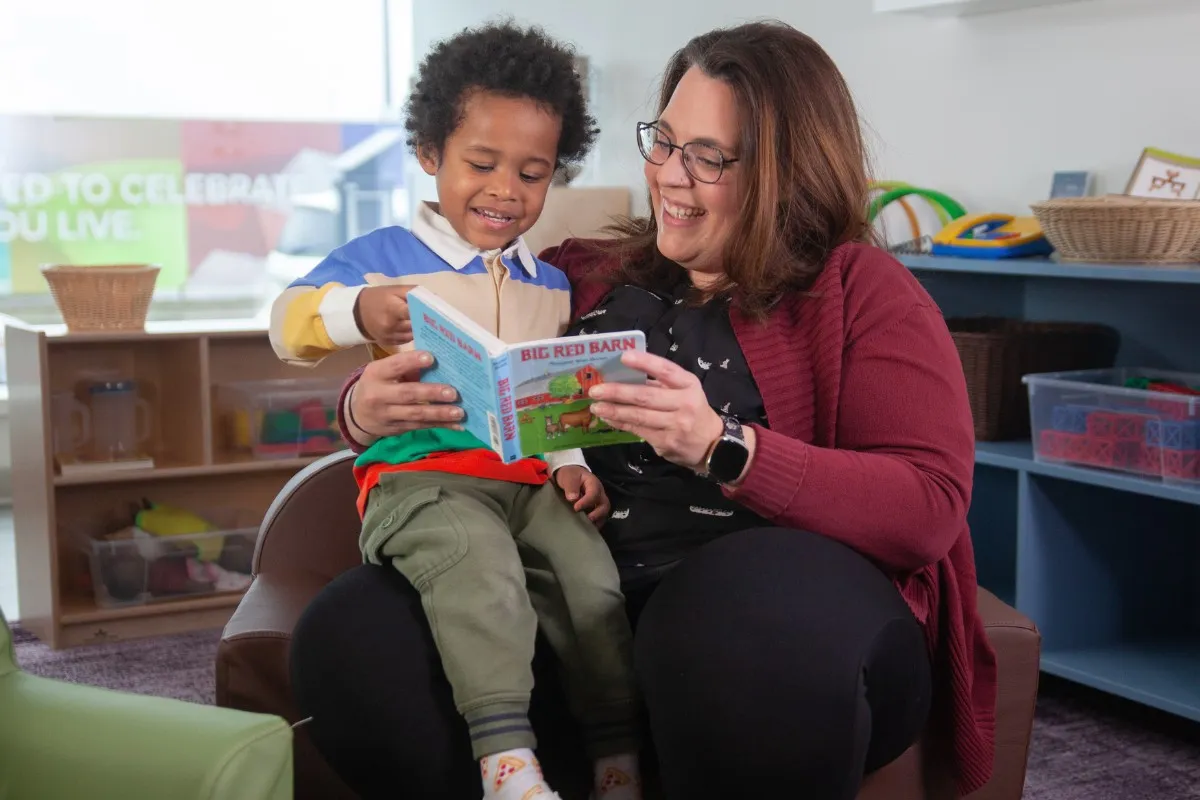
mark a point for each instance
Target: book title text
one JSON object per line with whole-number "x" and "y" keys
{"x": 574, "y": 349}
{"x": 463, "y": 344}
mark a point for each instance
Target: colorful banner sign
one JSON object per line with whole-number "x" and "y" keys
{"x": 220, "y": 206}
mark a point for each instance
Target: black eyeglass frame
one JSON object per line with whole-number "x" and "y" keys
{"x": 683, "y": 152}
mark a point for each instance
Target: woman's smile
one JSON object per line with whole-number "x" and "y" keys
{"x": 680, "y": 214}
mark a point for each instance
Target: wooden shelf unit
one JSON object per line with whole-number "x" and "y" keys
{"x": 178, "y": 368}
{"x": 1105, "y": 562}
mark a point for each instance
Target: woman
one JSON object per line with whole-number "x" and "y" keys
{"x": 792, "y": 535}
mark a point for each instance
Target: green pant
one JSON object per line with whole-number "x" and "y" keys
{"x": 494, "y": 563}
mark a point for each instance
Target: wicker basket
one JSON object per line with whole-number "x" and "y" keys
{"x": 102, "y": 298}
{"x": 1116, "y": 228}
{"x": 996, "y": 352}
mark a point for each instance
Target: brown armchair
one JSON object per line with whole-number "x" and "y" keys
{"x": 310, "y": 535}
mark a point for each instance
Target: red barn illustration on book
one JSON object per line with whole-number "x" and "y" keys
{"x": 587, "y": 377}
{"x": 550, "y": 391}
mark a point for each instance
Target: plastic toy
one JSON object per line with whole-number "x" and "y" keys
{"x": 941, "y": 202}
{"x": 160, "y": 519}
{"x": 1129, "y": 440}
{"x": 308, "y": 428}
{"x": 946, "y": 208}
{"x": 913, "y": 222}
{"x": 1169, "y": 387}
{"x": 992, "y": 236}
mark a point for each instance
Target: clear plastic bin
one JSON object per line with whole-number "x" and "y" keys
{"x": 133, "y": 567}
{"x": 1096, "y": 418}
{"x": 285, "y": 418}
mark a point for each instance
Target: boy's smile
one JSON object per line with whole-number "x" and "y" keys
{"x": 495, "y": 168}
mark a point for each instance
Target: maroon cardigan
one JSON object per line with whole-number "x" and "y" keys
{"x": 870, "y": 443}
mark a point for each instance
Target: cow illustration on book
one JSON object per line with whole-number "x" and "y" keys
{"x": 583, "y": 418}
{"x": 554, "y": 428}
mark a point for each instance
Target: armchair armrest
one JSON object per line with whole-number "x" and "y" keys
{"x": 308, "y": 536}
{"x": 311, "y": 528}
{"x": 65, "y": 740}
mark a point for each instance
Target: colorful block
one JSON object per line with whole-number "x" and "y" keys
{"x": 1051, "y": 444}
{"x": 1063, "y": 446}
{"x": 1175, "y": 434}
{"x": 1130, "y": 427}
{"x": 1149, "y": 461}
{"x": 1102, "y": 424}
{"x": 1127, "y": 455}
{"x": 1171, "y": 409}
{"x": 1100, "y": 452}
{"x": 1070, "y": 418}
{"x": 1154, "y": 433}
{"x": 1179, "y": 435}
{"x": 1181, "y": 464}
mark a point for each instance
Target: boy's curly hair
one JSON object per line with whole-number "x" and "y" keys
{"x": 507, "y": 60}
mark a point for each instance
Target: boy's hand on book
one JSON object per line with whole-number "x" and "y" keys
{"x": 382, "y": 314}
{"x": 584, "y": 490}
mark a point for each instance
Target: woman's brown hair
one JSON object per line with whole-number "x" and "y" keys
{"x": 806, "y": 184}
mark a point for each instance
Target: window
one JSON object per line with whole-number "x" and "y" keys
{"x": 234, "y": 143}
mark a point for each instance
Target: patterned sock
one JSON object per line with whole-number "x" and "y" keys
{"x": 514, "y": 775}
{"x": 618, "y": 778}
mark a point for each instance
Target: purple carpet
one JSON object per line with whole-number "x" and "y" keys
{"x": 1087, "y": 746}
{"x": 179, "y": 666}
{"x": 1091, "y": 746}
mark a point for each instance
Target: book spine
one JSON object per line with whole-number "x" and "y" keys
{"x": 502, "y": 425}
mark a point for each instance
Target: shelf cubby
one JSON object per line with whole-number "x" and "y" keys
{"x": 234, "y": 360}
{"x": 177, "y": 368}
{"x": 167, "y": 376}
{"x": 1106, "y": 563}
{"x": 1111, "y": 578}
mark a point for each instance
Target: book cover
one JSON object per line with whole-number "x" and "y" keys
{"x": 528, "y": 398}
{"x": 463, "y": 358}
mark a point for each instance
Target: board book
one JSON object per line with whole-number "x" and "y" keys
{"x": 522, "y": 399}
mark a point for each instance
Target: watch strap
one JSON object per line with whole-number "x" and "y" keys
{"x": 732, "y": 435}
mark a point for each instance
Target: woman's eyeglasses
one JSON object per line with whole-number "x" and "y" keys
{"x": 702, "y": 161}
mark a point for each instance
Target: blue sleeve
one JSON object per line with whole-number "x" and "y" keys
{"x": 374, "y": 252}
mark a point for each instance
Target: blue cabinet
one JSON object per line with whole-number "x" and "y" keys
{"x": 1106, "y": 563}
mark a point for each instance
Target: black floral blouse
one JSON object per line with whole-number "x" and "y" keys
{"x": 661, "y": 511}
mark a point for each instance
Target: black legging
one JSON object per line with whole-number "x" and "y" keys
{"x": 767, "y": 659}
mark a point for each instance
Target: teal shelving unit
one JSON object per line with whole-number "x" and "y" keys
{"x": 1106, "y": 563}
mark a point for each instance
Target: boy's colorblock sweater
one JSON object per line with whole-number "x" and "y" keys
{"x": 509, "y": 292}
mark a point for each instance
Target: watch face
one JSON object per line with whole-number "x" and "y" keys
{"x": 728, "y": 459}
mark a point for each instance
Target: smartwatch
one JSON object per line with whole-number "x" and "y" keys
{"x": 729, "y": 454}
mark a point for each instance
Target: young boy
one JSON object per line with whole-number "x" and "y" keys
{"x": 495, "y": 550}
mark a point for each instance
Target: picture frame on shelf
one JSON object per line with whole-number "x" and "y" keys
{"x": 1163, "y": 175}
{"x": 1074, "y": 183}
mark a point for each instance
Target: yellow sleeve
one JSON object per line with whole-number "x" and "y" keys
{"x": 298, "y": 332}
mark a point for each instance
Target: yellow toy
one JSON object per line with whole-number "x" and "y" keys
{"x": 160, "y": 519}
{"x": 992, "y": 236}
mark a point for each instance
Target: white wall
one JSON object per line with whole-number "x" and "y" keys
{"x": 238, "y": 59}
{"x": 984, "y": 108}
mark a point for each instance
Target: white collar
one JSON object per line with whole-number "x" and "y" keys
{"x": 439, "y": 235}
